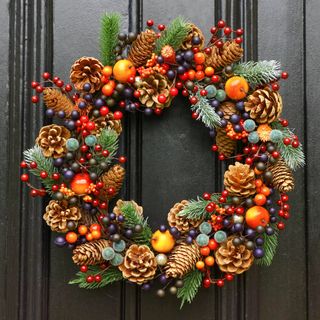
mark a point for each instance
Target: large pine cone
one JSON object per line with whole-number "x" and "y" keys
{"x": 182, "y": 260}
{"x": 225, "y": 144}
{"x": 107, "y": 122}
{"x": 239, "y": 180}
{"x": 139, "y": 264}
{"x": 233, "y": 259}
{"x": 228, "y": 108}
{"x": 150, "y": 88}
{"x": 120, "y": 203}
{"x": 264, "y": 105}
{"x": 142, "y": 48}
{"x": 194, "y": 32}
{"x": 90, "y": 253}
{"x": 86, "y": 70}
{"x": 57, "y": 101}
{"x": 52, "y": 140}
{"x": 58, "y": 214}
{"x": 282, "y": 177}
{"x": 181, "y": 223}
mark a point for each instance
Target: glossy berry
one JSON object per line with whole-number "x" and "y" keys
{"x": 84, "y": 268}
{"x": 229, "y": 277}
{"x": 43, "y": 174}
{"x": 239, "y": 40}
{"x": 162, "y": 98}
{"x": 227, "y": 31}
{"x": 275, "y": 86}
{"x": 46, "y": 75}
{"x": 284, "y": 75}
{"x": 24, "y": 177}
{"x": 221, "y": 24}
{"x": 34, "y": 99}
{"x": 150, "y": 23}
{"x": 220, "y": 283}
{"x": 89, "y": 279}
{"x": 161, "y": 27}
{"x": 122, "y": 159}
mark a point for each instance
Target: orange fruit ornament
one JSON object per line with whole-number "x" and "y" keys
{"x": 80, "y": 183}
{"x": 82, "y": 230}
{"x": 162, "y": 242}
{"x": 236, "y": 88}
{"x": 107, "y": 71}
{"x": 209, "y": 261}
{"x": 71, "y": 237}
{"x": 260, "y": 199}
{"x": 123, "y": 70}
{"x": 257, "y": 216}
{"x": 199, "y": 58}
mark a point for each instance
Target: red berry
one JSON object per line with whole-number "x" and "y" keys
{"x": 68, "y": 87}
{"x": 214, "y": 30}
{"x": 103, "y": 205}
{"x": 84, "y": 268}
{"x": 174, "y": 91}
{"x": 122, "y": 159}
{"x": 55, "y": 188}
{"x": 281, "y": 225}
{"x": 275, "y": 86}
{"x": 239, "y": 32}
{"x": 295, "y": 143}
{"x": 276, "y": 154}
{"x": 55, "y": 79}
{"x": 162, "y": 98}
{"x": 122, "y": 104}
{"x": 82, "y": 160}
{"x": 203, "y": 92}
{"x": 213, "y": 244}
{"x": 193, "y": 100}
{"x": 219, "y": 44}
{"x": 136, "y": 93}
{"x": 34, "y": 84}
{"x": 222, "y": 199}
{"x": 84, "y": 119}
{"x": 219, "y": 219}
{"x": 284, "y": 75}
{"x": 284, "y": 197}
{"x": 249, "y": 161}
{"x": 60, "y": 83}
{"x": 34, "y": 99}
{"x": 239, "y": 157}
{"x": 90, "y": 279}
{"x": 39, "y": 89}
{"x": 89, "y": 156}
{"x": 224, "y": 193}
{"x": 161, "y": 27}
{"x": 194, "y": 115}
{"x": 158, "y": 111}
{"x": 90, "y": 125}
{"x": 215, "y": 79}
{"x": 46, "y": 75}
{"x": 99, "y": 184}
{"x": 214, "y": 148}
{"x": 239, "y": 40}
{"x": 286, "y": 141}
{"x": 97, "y": 278}
{"x": 284, "y": 123}
{"x": 240, "y": 211}
{"x": 185, "y": 92}
{"x": 206, "y": 196}
{"x": 117, "y": 115}
{"x": 24, "y": 177}
{"x": 206, "y": 283}
{"x": 221, "y": 24}
{"x": 150, "y": 23}
{"x": 227, "y": 31}
{"x": 209, "y": 208}
{"x": 95, "y": 202}
{"x": 207, "y": 51}
{"x": 23, "y": 164}
{"x": 98, "y": 147}
{"x": 286, "y": 207}
{"x": 104, "y": 111}
{"x": 43, "y": 174}
{"x": 229, "y": 277}
{"x": 33, "y": 193}
{"x": 111, "y": 191}
{"x": 84, "y": 148}
{"x": 230, "y": 210}
{"x": 33, "y": 165}
{"x": 105, "y": 153}
{"x": 221, "y": 157}
{"x": 220, "y": 283}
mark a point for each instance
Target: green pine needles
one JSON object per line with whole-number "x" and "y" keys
{"x": 270, "y": 247}
{"x": 258, "y": 73}
{"x": 110, "y": 28}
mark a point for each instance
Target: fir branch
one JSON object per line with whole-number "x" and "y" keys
{"x": 191, "y": 284}
{"x": 110, "y": 28}
{"x": 294, "y": 157}
{"x": 270, "y": 247}
{"x": 107, "y": 277}
{"x": 174, "y": 34}
{"x": 258, "y": 73}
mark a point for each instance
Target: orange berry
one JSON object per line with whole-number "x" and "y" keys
{"x": 104, "y": 79}
{"x": 199, "y": 58}
{"x": 112, "y": 83}
{"x": 107, "y": 71}
{"x": 265, "y": 190}
{"x": 96, "y": 234}
{"x": 258, "y": 183}
{"x": 209, "y": 261}
{"x": 260, "y": 199}
{"x": 209, "y": 71}
{"x": 191, "y": 74}
{"x": 205, "y": 251}
{"x": 199, "y": 67}
{"x": 213, "y": 244}
{"x": 82, "y": 229}
{"x": 89, "y": 237}
{"x": 95, "y": 226}
{"x": 71, "y": 237}
{"x": 107, "y": 89}
{"x": 199, "y": 75}
{"x": 200, "y": 265}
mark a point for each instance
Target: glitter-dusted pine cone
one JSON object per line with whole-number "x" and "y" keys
{"x": 107, "y": 122}
{"x": 90, "y": 253}
{"x": 52, "y": 140}
{"x": 228, "y": 108}
{"x": 239, "y": 180}
{"x": 264, "y": 105}
{"x": 282, "y": 177}
{"x": 57, "y": 101}
{"x": 58, "y": 214}
{"x": 142, "y": 48}
{"x": 117, "y": 209}
{"x": 182, "y": 259}
{"x": 150, "y": 88}
{"x": 86, "y": 70}
{"x": 113, "y": 178}
{"x": 181, "y": 223}
{"x": 139, "y": 264}
{"x": 233, "y": 259}
{"x": 194, "y": 32}
{"x": 225, "y": 144}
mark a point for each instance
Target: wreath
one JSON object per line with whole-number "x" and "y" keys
{"x": 207, "y": 240}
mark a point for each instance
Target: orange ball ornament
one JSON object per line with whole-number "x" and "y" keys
{"x": 96, "y": 234}
{"x": 80, "y": 183}
{"x": 200, "y": 265}
{"x": 199, "y": 58}
{"x": 260, "y": 199}
{"x": 209, "y": 71}
{"x": 209, "y": 261}
{"x": 236, "y": 88}
{"x": 123, "y": 70}
{"x": 71, "y": 237}
{"x": 107, "y": 71}
{"x": 82, "y": 230}
{"x": 205, "y": 251}
{"x": 107, "y": 89}
{"x": 257, "y": 216}
{"x": 89, "y": 236}
{"x": 265, "y": 190}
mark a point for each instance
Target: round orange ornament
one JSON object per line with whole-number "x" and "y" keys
{"x": 107, "y": 71}
{"x": 265, "y": 190}
{"x": 107, "y": 89}
{"x": 96, "y": 234}
{"x": 236, "y": 88}
{"x": 80, "y": 183}
{"x": 123, "y": 70}
{"x": 205, "y": 251}
{"x": 82, "y": 229}
{"x": 209, "y": 261}
{"x": 199, "y": 58}
{"x": 257, "y": 216}
{"x": 71, "y": 237}
{"x": 260, "y": 199}
{"x": 200, "y": 265}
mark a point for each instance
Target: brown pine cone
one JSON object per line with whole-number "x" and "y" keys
{"x": 86, "y": 70}
{"x": 90, "y": 253}
{"x": 52, "y": 140}
{"x": 239, "y": 180}
{"x": 181, "y": 223}
{"x": 88, "y": 219}
{"x": 182, "y": 259}
{"x": 228, "y": 108}
{"x": 117, "y": 209}
{"x": 150, "y": 88}
{"x": 282, "y": 177}
{"x": 57, "y": 101}
{"x": 194, "y": 32}
{"x": 142, "y": 48}
{"x": 233, "y": 259}
{"x": 113, "y": 178}
{"x": 107, "y": 122}
{"x": 58, "y": 214}
{"x": 264, "y": 105}
{"x": 225, "y": 144}
{"x": 139, "y": 264}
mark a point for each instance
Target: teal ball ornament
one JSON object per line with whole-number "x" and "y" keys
{"x": 90, "y": 140}
{"x": 253, "y": 137}
{"x": 220, "y": 95}
{"x": 276, "y": 135}
{"x": 249, "y": 125}
{"x": 202, "y": 240}
{"x": 119, "y": 246}
{"x": 212, "y": 91}
{"x": 117, "y": 260}
{"x": 220, "y": 236}
{"x": 205, "y": 227}
{"x": 72, "y": 144}
{"x": 108, "y": 253}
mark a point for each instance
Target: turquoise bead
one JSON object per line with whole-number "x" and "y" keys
{"x": 249, "y": 125}
{"x": 117, "y": 260}
{"x": 202, "y": 240}
{"x": 72, "y": 144}
{"x": 253, "y": 137}
{"x": 90, "y": 140}
{"x": 212, "y": 91}
{"x": 108, "y": 253}
{"x": 119, "y": 246}
{"x": 205, "y": 227}
{"x": 220, "y": 236}
{"x": 276, "y": 135}
{"x": 221, "y": 95}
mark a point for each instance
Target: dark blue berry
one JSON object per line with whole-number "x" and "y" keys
{"x": 160, "y": 59}
{"x": 49, "y": 113}
{"x": 148, "y": 111}
{"x": 82, "y": 104}
{"x": 181, "y": 70}
{"x": 240, "y": 105}
{"x": 99, "y": 103}
{"x": 87, "y": 87}
{"x": 171, "y": 74}
{"x": 162, "y": 228}
{"x": 88, "y": 97}
{"x": 235, "y": 118}
{"x": 61, "y": 114}
{"x": 188, "y": 55}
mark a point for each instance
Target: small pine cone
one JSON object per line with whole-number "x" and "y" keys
{"x": 182, "y": 259}
{"x": 181, "y": 223}
{"x": 239, "y": 180}
{"x": 233, "y": 259}
{"x": 117, "y": 209}
{"x": 194, "y": 32}
{"x": 113, "y": 178}
{"x": 142, "y": 48}
{"x": 225, "y": 144}
{"x": 264, "y": 105}
{"x": 107, "y": 122}
{"x": 86, "y": 70}
{"x": 228, "y": 108}
{"x": 139, "y": 264}
{"x": 282, "y": 177}
{"x": 52, "y": 140}
{"x": 57, "y": 101}
{"x": 88, "y": 219}
{"x": 90, "y": 253}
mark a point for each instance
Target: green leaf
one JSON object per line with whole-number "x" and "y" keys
{"x": 191, "y": 284}
{"x": 270, "y": 247}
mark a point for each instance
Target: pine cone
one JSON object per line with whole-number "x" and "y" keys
{"x": 57, "y": 101}
{"x": 194, "y": 32}
{"x": 113, "y": 178}
{"x": 228, "y": 108}
{"x": 182, "y": 260}
{"x": 88, "y": 219}
{"x": 231, "y": 52}
{"x": 52, "y": 140}
{"x": 282, "y": 177}
{"x": 139, "y": 264}
{"x": 233, "y": 259}
{"x": 239, "y": 180}
{"x": 90, "y": 253}
{"x": 142, "y": 48}
{"x": 264, "y": 105}
{"x": 225, "y": 144}
{"x": 117, "y": 209}
{"x": 181, "y": 223}
{"x": 107, "y": 122}
{"x": 86, "y": 70}
{"x": 150, "y": 88}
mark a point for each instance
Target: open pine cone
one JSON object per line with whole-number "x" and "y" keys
{"x": 52, "y": 140}
{"x": 225, "y": 144}
{"x": 232, "y": 259}
{"x": 228, "y": 108}
{"x": 239, "y": 180}
{"x": 117, "y": 209}
{"x": 57, "y": 101}
{"x": 139, "y": 264}
{"x": 107, "y": 122}
{"x": 194, "y": 32}
{"x": 86, "y": 70}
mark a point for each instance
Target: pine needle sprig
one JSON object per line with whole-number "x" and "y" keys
{"x": 270, "y": 247}
{"x": 258, "y": 73}
{"x": 174, "y": 35}
{"x": 110, "y": 28}
{"x": 191, "y": 284}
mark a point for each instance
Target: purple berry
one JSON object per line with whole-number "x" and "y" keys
{"x": 162, "y": 228}
{"x": 258, "y": 253}
{"x": 60, "y": 241}
{"x": 235, "y": 118}
{"x": 163, "y": 279}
